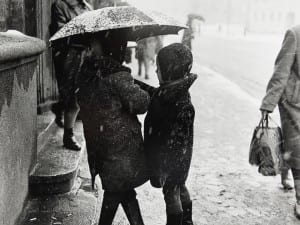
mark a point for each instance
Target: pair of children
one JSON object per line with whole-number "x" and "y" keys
{"x": 168, "y": 131}
{"x": 110, "y": 101}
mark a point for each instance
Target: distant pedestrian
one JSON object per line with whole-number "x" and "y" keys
{"x": 284, "y": 90}
{"x": 67, "y": 59}
{"x": 109, "y": 102}
{"x": 169, "y": 133}
{"x": 146, "y": 51}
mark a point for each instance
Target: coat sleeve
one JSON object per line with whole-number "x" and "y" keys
{"x": 282, "y": 71}
{"x": 58, "y": 18}
{"x": 146, "y": 87}
{"x": 133, "y": 98}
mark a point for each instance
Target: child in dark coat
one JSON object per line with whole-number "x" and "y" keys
{"x": 169, "y": 131}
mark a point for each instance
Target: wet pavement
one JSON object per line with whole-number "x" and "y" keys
{"x": 225, "y": 189}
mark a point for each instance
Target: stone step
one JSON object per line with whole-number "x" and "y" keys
{"x": 56, "y": 167}
{"x": 46, "y": 127}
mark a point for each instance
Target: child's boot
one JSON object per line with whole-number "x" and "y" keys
{"x": 174, "y": 219}
{"x": 187, "y": 214}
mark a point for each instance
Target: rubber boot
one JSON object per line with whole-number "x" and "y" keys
{"x": 187, "y": 214}
{"x": 133, "y": 212}
{"x": 297, "y": 205}
{"x": 175, "y": 219}
{"x": 285, "y": 181}
{"x": 70, "y": 141}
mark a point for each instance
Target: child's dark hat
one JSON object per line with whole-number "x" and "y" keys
{"x": 175, "y": 61}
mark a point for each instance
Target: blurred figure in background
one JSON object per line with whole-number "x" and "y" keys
{"x": 146, "y": 51}
{"x": 65, "y": 57}
{"x": 189, "y": 33}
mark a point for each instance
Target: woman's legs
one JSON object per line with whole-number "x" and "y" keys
{"x": 285, "y": 181}
{"x": 70, "y": 115}
{"x": 173, "y": 204}
{"x": 186, "y": 205}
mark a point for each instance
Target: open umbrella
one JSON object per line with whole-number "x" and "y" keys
{"x": 139, "y": 23}
{"x": 194, "y": 16}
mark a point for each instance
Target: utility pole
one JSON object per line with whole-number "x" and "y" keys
{"x": 228, "y": 15}
{"x": 247, "y": 21}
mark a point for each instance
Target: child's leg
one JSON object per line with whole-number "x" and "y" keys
{"x": 173, "y": 204}
{"x": 131, "y": 208}
{"x": 110, "y": 203}
{"x": 186, "y": 205}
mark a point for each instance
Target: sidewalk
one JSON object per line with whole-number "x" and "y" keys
{"x": 224, "y": 188}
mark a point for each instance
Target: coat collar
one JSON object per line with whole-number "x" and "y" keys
{"x": 174, "y": 90}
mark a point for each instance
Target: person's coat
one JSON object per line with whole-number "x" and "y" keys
{"x": 62, "y": 11}
{"x": 284, "y": 90}
{"x": 109, "y": 102}
{"x": 168, "y": 132}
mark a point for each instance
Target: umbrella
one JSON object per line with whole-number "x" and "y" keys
{"x": 194, "y": 16}
{"x": 139, "y": 23}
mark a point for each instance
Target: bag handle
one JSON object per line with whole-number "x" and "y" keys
{"x": 264, "y": 122}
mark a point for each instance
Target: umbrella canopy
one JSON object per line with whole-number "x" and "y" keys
{"x": 139, "y": 23}
{"x": 194, "y": 16}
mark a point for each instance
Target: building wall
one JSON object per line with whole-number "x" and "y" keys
{"x": 17, "y": 137}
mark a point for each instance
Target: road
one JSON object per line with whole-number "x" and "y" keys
{"x": 225, "y": 189}
{"x": 246, "y": 61}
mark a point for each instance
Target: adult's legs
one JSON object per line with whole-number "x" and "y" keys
{"x": 285, "y": 181}
{"x": 147, "y": 67}
{"x": 71, "y": 67}
{"x": 140, "y": 63}
{"x": 186, "y": 205}
{"x": 173, "y": 204}
{"x": 58, "y": 108}
{"x": 70, "y": 115}
{"x": 131, "y": 208}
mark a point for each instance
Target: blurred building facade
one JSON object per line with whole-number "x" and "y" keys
{"x": 262, "y": 16}
{"x": 272, "y": 16}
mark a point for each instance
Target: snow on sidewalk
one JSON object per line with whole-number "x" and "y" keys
{"x": 225, "y": 188}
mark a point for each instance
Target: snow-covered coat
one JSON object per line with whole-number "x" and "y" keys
{"x": 284, "y": 90}
{"x": 168, "y": 132}
{"x": 109, "y": 102}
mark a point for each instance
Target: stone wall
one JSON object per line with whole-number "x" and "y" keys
{"x": 18, "y": 114}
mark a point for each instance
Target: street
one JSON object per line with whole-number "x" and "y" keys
{"x": 225, "y": 188}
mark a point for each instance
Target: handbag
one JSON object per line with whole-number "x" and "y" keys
{"x": 266, "y": 148}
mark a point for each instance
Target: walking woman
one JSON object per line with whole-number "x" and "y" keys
{"x": 284, "y": 90}
{"x": 109, "y": 102}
